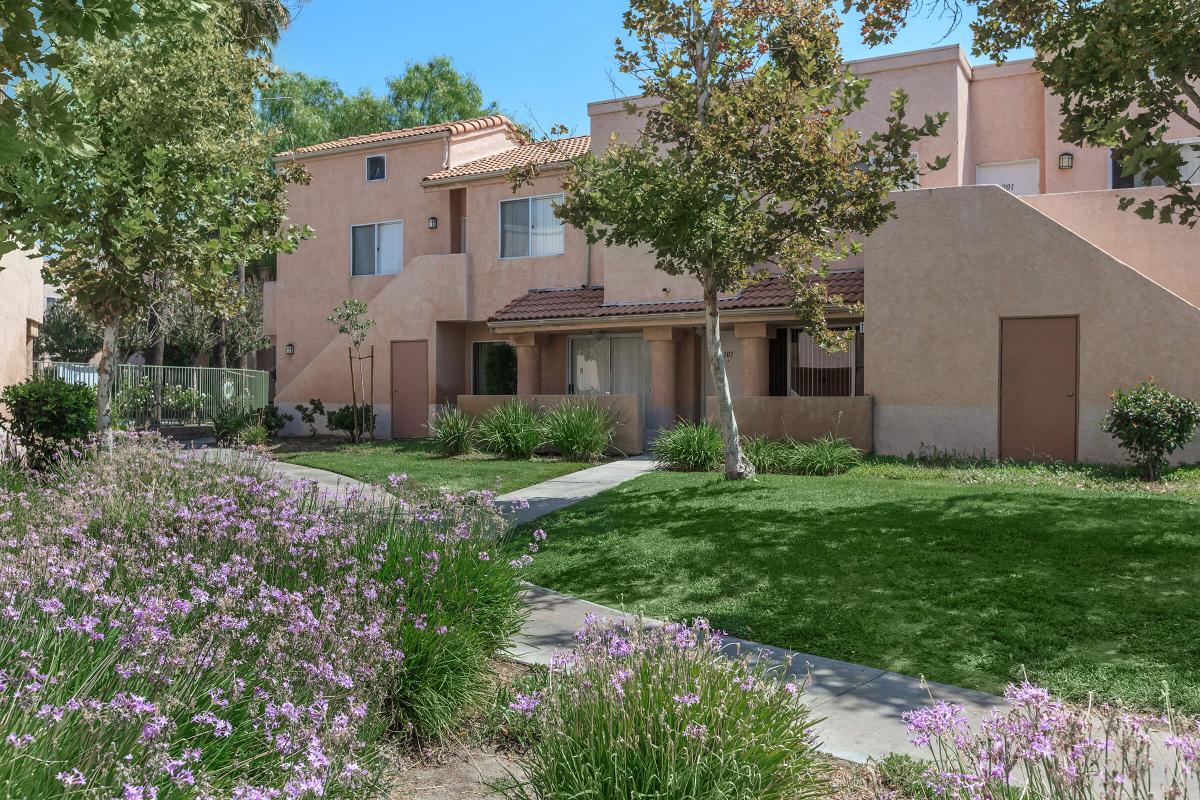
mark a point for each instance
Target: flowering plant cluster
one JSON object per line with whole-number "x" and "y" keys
{"x": 640, "y": 711}
{"x": 1044, "y": 748}
{"x": 176, "y": 627}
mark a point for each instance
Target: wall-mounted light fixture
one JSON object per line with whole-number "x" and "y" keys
{"x": 290, "y": 349}
{"x": 432, "y": 223}
{"x": 1066, "y": 161}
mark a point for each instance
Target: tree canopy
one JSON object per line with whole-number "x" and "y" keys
{"x": 306, "y": 110}
{"x": 745, "y": 160}
{"x": 1123, "y": 70}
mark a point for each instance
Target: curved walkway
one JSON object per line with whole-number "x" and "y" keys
{"x": 859, "y": 706}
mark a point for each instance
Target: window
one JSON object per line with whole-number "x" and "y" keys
{"x": 376, "y": 168}
{"x": 1189, "y": 171}
{"x": 528, "y": 227}
{"x": 495, "y": 368}
{"x": 377, "y": 249}
{"x": 815, "y": 372}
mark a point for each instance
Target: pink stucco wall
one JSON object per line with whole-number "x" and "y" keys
{"x": 20, "y": 301}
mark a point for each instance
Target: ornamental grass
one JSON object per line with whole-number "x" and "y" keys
{"x": 175, "y": 627}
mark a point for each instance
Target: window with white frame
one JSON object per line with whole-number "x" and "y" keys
{"x": 376, "y": 168}
{"x": 1189, "y": 171}
{"x": 377, "y": 248}
{"x": 528, "y": 227}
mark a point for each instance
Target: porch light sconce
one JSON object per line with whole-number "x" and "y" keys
{"x": 290, "y": 349}
{"x": 1066, "y": 161}
{"x": 432, "y": 223}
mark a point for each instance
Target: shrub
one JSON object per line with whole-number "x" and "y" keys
{"x": 231, "y": 418}
{"x": 308, "y": 414}
{"x": 580, "y": 431}
{"x": 661, "y": 712}
{"x": 1045, "y": 749}
{"x": 825, "y": 456}
{"x": 254, "y": 434}
{"x": 273, "y": 419}
{"x": 1150, "y": 423}
{"x": 354, "y": 420}
{"x": 182, "y": 402}
{"x": 238, "y": 635}
{"x": 43, "y": 413}
{"x": 452, "y": 431}
{"x": 690, "y": 447}
{"x": 512, "y": 430}
{"x": 132, "y": 403}
{"x": 767, "y": 455}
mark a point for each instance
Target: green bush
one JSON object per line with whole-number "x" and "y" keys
{"x": 690, "y": 447}
{"x": 1150, "y": 423}
{"x": 828, "y": 455}
{"x": 308, "y": 413}
{"x": 231, "y": 418}
{"x": 642, "y": 712}
{"x": 767, "y": 455}
{"x": 452, "y": 432}
{"x": 354, "y": 420}
{"x": 580, "y": 431}
{"x": 254, "y": 434}
{"x": 512, "y": 430}
{"x": 274, "y": 420}
{"x": 43, "y": 413}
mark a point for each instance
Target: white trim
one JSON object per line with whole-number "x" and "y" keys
{"x": 376, "y": 226}
{"x": 500, "y": 227}
{"x": 367, "y": 167}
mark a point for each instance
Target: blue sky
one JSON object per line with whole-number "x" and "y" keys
{"x": 542, "y": 61}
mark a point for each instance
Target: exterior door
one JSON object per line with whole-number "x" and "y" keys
{"x": 410, "y": 389}
{"x": 1038, "y": 387}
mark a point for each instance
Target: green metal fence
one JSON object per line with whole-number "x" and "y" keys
{"x": 145, "y": 396}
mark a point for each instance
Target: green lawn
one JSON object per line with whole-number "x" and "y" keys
{"x": 374, "y": 461}
{"x": 965, "y": 584}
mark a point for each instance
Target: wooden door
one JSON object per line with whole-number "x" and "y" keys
{"x": 410, "y": 389}
{"x": 1038, "y": 388}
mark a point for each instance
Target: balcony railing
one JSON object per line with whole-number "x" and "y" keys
{"x": 146, "y": 396}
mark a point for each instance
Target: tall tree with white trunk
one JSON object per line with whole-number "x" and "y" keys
{"x": 745, "y": 163}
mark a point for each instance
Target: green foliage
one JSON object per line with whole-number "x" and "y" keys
{"x": 435, "y": 92}
{"x": 231, "y": 418}
{"x": 133, "y": 402}
{"x": 274, "y": 420}
{"x": 1150, "y": 423}
{"x": 662, "y": 712}
{"x": 308, "y": 413}
{"x": 351, "y": 319}
{"x": 66, "y": 334}
{"x": 254, "y": 435}
{"x": 356, "y": 421}
{"x": 689, "y": 447}
{"x": 828, "y": 455}
{"x": 767, "y": 455}
{"x": 500, "y": 370}
{"x": 43, "y": 413}
{"x": 581, "y": 431}
{"x": 512, "y": 430}
{"x": 452, "y": 432}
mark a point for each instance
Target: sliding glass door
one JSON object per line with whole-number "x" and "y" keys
{"x": 609, "y": 365}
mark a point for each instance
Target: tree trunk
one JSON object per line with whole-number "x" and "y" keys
{"x": 218, "y": 351}
{"x": 158, "y": 348}
{"x": 737, "y": 466}
{"x": 104, "y": 376}
{"x": 353, "y": 397}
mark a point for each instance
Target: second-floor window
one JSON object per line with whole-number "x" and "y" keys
{"x": 376, "y": 168}
{"x": 528, "y": 227}
{"x": 377, "y": 249}
{"x": 1189, "y": 172}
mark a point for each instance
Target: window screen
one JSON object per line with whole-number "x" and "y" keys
{"x": 363, "y": 241}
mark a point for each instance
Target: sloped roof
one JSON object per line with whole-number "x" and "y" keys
{"x": 451, "y": 128}
{"x": 588, "y": 301}
{"x": 539, "y": 153}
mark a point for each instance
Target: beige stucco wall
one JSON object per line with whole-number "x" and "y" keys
{"x": 21, "y": 294}
{"x": 628, "y": 408}
{"x": 941, "y": 276}
{"x": 802, "y": 418}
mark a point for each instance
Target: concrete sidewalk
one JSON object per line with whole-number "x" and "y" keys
{"x": 556, "y": 493}
{"x": 859, "y": 706}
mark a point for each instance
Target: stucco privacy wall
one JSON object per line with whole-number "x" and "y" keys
{"x": 627, "y": 407}
{"x": 20, "y": 301}
{"x": 802, "y": 418}
{"x": 954, "y": 262}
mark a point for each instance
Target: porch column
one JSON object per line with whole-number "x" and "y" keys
{"x": 663, "y": 344}
{"x": 755, "y": 378}
{"x": 529, "y": 363}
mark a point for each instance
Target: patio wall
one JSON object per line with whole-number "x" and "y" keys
{"x": 803, "y": 418}
{"x": 630, "y": 433}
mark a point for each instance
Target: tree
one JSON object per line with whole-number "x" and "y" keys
{"x": 436, "y": 92}
{"x": 745, "y": 162}
{"x": 351, "y": 320}
{"x": 1123, "y": 70}
{"x": 66, "y": 334}
{"x": 175, "y": 193}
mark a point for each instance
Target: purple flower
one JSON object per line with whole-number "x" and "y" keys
{"x": 526, "y": 704}
{"x": 687, "y": 699}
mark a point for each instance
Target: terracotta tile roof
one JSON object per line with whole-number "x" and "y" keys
{"x": 540, "y": 153}
{"x": 451, "y": 128}
{"x": 588, "y": 301}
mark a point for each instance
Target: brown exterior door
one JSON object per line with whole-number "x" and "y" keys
{"x": 410, "y": 389}
{"x": 1038, "y": 387}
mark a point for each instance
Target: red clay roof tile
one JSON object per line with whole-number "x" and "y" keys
{"x": 540, "y": 153}
{"x": 451, "y": 128}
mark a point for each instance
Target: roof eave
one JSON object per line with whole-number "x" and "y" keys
{"x": 661, "y": 316}
{"x": 351, "y": 148}
{"x": 553, "y": 166}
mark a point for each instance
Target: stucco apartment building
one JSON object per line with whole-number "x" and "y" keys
{"x": 1003, "y": 304}
{"x": 21, "y": 305}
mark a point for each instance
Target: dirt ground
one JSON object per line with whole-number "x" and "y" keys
{"x": 453, "y": 774}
